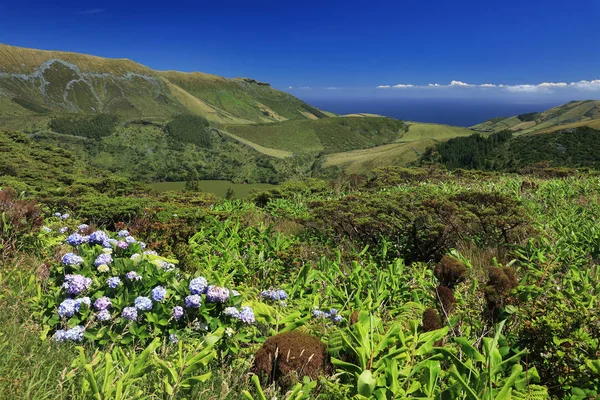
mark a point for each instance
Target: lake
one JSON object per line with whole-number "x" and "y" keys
{"x": 219, "y": 188}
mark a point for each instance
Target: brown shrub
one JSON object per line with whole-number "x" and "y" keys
{"x": 287, "y": 357}
{"x": 450, "y": 272}
{"x": 446, "y": 298}
{"x": 431, "y": 320}
{"x": 19, "y": 220}
{"x": 501, "y": 281}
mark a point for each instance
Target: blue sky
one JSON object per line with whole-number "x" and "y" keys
{"x": 353, "y": 46}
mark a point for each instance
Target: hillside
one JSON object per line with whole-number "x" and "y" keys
{"x": 37, "y": 82}
{"x": 581, "y": 113}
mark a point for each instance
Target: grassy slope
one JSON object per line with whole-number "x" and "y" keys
{"x": 407, "y": 148}
{"x": 564, "y": 115}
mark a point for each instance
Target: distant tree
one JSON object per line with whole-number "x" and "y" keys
{"x": 192, "y": 182}
{"x": 230, "y": 194}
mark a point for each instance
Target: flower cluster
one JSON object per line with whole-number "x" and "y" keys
{"x": 69, "y": 307}
{"x": 72, "y": 259}
{"x": 193, "y": 301}
{"x": 143, "y": 303}
{"x": 123, "y": 233}
{"x": 98, "y": 237}
{"x": 113, "y": 282}
{"x": 133, "y": 276}
{"x": 63, "y": 230}
{"x": 246, "y": 314}
{"x": 217, "y": 294}
{"x": 277, "y": 294}
{"x": 83, "y": 227}
{"x": 159, "y": 293}
{"x": 177, "y": 312}
{"x": 332, "y": 315}
{"x": 102, "y": 304}
{"x": 76, "y": 239}
{"x": 103, "y": 259}
{"x": 74, "y": 334}
{"x": 76, "y": 284}
{"x": 198, "y": 285}
{"x": 129, "y": 313}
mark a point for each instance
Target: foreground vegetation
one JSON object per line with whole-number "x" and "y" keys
{"x": 417, "y": 283}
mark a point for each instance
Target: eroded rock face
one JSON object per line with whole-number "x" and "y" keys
{"x": 289, "y": 356}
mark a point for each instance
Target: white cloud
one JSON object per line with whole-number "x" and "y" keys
{"x": 290, "y": 87}
{"x": 304, "y": 87}
{"x": 383, "y": 87}
{"x": 587, "y": 85}
{"x": 459, "y": 83}
{"x": 552, "y": 84}
{"x": 332, "y": 88}
{"x": 522, "y": 88}
{"x": 487, "y": 85}
{"x": 434, "y": 85}
{"x": 403, "y": 86}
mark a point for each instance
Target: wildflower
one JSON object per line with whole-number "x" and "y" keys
{"x": 123, "y": 233}
{"x": 103, "y": 268}
{"x": 217, "y": 294}
{"x": 104, "y": 315}
{"x": 57, "y": 214}
{"x": 231, "y": 312}
{"x": 318, "y": 313}
{"x": 103, "y": 258}
{"x": 113, "y": 282}
{"x": 122, "y": 245}
{"x": 82, "y": 300}
{"x": 247, "y": 315}
{"x": 337, "y": 319}
{"x": 75, "y": 334}
{"x": 46, "y": 229}
{"x": 173, "y": 338}
{"x": 198, "y": 285}
{"x": 98, "y": 237}
{"x": 133, "y": 276}
{"x": 62, "y": 230}
{"x": 103, "y": 303}
{"x": 278, "y": 294}
{"x": 71, "y": 259}
{"x": 177, "y": 312}
{"x": 67, "y": 308}
{"x": 129, "y": 313}
{"x": 76, "y": 239}
{"x": 143, "y": 303}
{"x": 75, "y": 284}
{"x": 83, "y": 227}
{"x": 159, "y": 293}
{"x": 193, "y": 301}
{"x": 64, "y": 217}
{"x": 130, "y": 239}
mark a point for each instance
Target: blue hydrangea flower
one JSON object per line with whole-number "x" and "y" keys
{"x": 76, "y": 239}
{"x": 173, "y": 338}
{"x": 60, "y": 335}
{"x": 217, "y": 294}
{"x": 67, "y": 308}
{"x": 150, "y": 253}
{"x": 75, "y": 284}
{"x": 232, "y": 312}
{"x": 75, "y": 334}
{"x": 64, "y": 216}
{"x": 277, "y": 294}
{"x": 64, "y": 229}
{"x": 129, "y": 313}
{"x": 98, "y": 237}
{"x": 143, "y": 303}
{"x": 177, "y": 312}
{"x": 103, "y": 303}
{"x": 123, "y": 233}
{"x": 83, "y": 227}
{"x": 46, "y": 229}
{"x": 113, "y": 282}
{"x": 318, "y": 313}
{"x": 103, "y": 258}
{"x": 159, "y": 293}
{"x": 337, "y": 319}
{"x": 130, "y": 239}
{"x": 133, "y": 276}
{"x": 57, "y": 214}
{"x": 136, "y": 257}
{"x": 142, "y": 245}
{"x": 193, "y": 301}
{"x": 198, "y": 285}
{"x": 71, "y": 259}
{"x": 247, "y": 315}
{"x": 82, "y": 300}
{"x": 104, "y": 315}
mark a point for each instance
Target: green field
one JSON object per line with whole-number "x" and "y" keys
{"x": 219, "y": 188}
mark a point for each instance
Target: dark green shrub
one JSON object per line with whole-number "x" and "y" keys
{"x": 189, "y": 129}
{"x": 92, "y": 127}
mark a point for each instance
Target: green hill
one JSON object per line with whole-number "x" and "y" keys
{"x": 37, "y": 82}
{"x": 581, "y": 113}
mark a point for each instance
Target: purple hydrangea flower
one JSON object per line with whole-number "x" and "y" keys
{"x": 217, "y": 294}
{"x": 68, "y": 308}
{"x": 177, "y": 312}
{"x": 71, "y": 259}
{"x": 122, "y": 245}
{"x": 173, "y": 338}
{"x": 129, "y": 313}
{"x": 83, "y": 227}
{"x": 98, "y": 237}
{"x": 64, "y": 229}
{"x": 143, "y": 303}
{"x": 130, "y": 239}
{"x": 133, "y": 276}
{"x": 193, "y": 301}
{"x": 123, "y": 233}
{"x": 198, "y": 285}
{"x": 76, "y": 239}
{"x": 232, "y": 312}
{"x": 75, "y": 334}
{"x": 247, "y": 315}
{"x": 104, "y": 315}
{"x": 113, "y": 282}
{"x": 103, "y": 259}
{"x": 159, "y": 293}
{"x": 75, "y": 284}
{"x": 103, "y": 303}
{"x": 64, "y": 216}
{"x": 277, "y": 294}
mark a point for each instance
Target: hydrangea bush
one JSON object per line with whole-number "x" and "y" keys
{"x": 108, "y": 289}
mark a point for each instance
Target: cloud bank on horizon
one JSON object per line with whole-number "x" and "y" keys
{"x": 544, "y": 87}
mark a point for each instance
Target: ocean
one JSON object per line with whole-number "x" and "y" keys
{"x": 459, "y": 112}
